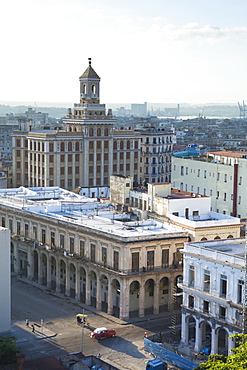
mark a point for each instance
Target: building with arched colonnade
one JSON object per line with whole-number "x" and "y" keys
{"x": 86, "y": 250}
{"x": 213, "y": 294}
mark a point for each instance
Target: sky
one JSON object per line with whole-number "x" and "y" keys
{"x": 155, "y": 51}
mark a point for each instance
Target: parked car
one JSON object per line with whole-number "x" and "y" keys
{"x": 100, "y": 333}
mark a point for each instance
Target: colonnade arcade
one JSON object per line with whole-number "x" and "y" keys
{"x": 198, "y": 334}
{"x": 119, "y": 294}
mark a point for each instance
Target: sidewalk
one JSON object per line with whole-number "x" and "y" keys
{"x": 133, "y": 320}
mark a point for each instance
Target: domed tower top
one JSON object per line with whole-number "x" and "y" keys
{"x": 89, "y": 86}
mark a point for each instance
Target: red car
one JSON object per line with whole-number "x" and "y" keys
{"x": 100, "y": 333}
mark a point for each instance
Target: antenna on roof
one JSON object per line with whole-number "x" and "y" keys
{"x": 89, "y": 61}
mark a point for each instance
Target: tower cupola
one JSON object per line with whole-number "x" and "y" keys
{"x": 89, "y": 86}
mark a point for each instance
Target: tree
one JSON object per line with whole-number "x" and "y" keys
{"x": 8, "y": 350}
{"x": 236, "y": 361}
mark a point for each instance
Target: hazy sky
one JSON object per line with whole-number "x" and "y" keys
{"x": 176, "y": 51}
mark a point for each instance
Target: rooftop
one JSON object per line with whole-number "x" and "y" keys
{"x": 72, "y": 208}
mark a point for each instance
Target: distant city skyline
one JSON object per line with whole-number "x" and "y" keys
{"x": 178, "y": 52}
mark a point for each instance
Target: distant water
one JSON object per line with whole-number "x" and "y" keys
{"x": 194, "y": 117}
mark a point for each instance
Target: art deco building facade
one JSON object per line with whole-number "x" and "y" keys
{"x": 85, "y": 153}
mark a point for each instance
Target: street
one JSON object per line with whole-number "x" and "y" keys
{"x": 125, "y": 351}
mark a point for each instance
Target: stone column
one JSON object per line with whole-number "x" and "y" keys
{"x": 67, "y": 282}
{"x": 49, "y": 272}
{"x": 98, "y": 295}
{"x": 110, "y": 298}
{"x": 214, "y": 346}
{"x": 141, "y": 300}
{"x": 30, "y": 262}
{"x": 124, "y": 300}
{"x": 231, "y": 344}
{"x": 156, "y": 296}
{"x": 198, "y": 342}
{"x": 184, "y": 329}
{"x": 58, "y": 284}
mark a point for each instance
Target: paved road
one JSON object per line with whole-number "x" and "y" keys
{"x": 125, "y": 351}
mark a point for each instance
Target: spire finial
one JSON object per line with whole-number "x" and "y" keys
{"x": 89, "y": 61}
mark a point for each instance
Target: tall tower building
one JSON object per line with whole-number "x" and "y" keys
{"x": 85, "y": 153}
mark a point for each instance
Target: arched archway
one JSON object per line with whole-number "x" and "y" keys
{"x": 203, "y": 239}
{"x": 230, "y": 237}
{"x": 116, "y": 292}
{"x": 134, "y": 298}
{"x": 206, "y": 335}
{"x": 149, "y": 297}
{"x": 104, "y": 293}
{"x": 217, "y": 238}
{"x": 93, "y": 287}
{"x": 177, "y": 292}
{"x": 191, "y": 330}
{"x": 164, "y": 294}
{"x": 53, "y": 273}
{"x": 44, "y": 269}
{"x": 82, "y": 285}
{"x": 72, "y": 279}
{"x": 62, "y": 276}
{"x": 35, "y": 265}
{"x": 222, "y": 341}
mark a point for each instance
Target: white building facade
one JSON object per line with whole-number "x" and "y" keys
{"x": 5, "y": 283}
{"x": 222, "y": 176}
{"x": 213, "y": 288}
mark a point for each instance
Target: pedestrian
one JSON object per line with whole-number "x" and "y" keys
{"x": 33, "y": 330}
{"x": 27, "y": 322}
{"x": 145, "y": 334}
{"x": 99, "y": 355}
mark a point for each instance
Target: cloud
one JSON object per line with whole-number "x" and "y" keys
{"x": 193, "y": 31}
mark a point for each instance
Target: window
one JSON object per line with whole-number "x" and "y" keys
{"x": 206, "y": 281}
{"x": 93, "y": 252}
{"x": 165, "y": 257}
{"x": 225, "y": 177}
{"x": 224, "y": 196}
{"x": 26, "y": 231}
{"x": 150, "y": 260}
{"x": 71, "y": 245}
{"x": 104, "y": 255}
{"x": 223, "y": 286}
{"x": 198, "y": 172}
{"x": 3, "y": 221}
{"x": 218, "y": 176}
{"x": 198, "y": 190}
{"x": 240, "y": 291}
{"x": 82, "y": 248}
{"x": 135, "y": 261}
{"x": 116, "y": 260}
{"x": 222, "y": 312}
{"x": 205, "y": 306}
{"x": 43, "y": 239}
{"x": 191, "y": 276}
{"x": 217, "y": 194}
{"x": 211, "y": 192}
{"x": 61, "y": 241}
{"x": 11, "y": 225}
{"x": 35, "y": 232}
{"x": 191, "y": 301}
{"x": 18, "y": 226}
{"x": 186, "y": 171}
{"x": 239, "y": 199}
{"x": 52, "y": 238}
{"x": 240, "y": 180}
{"x": 192, "y": 188}
{"x": 205, "y": 191}
{"x": 182, "y": 170}
{"x": 205, "y": 174}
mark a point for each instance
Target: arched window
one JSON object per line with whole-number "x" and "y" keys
{"x": 62, "y": 147}
{"x": 84, "y": 89}
{"x": 98, "y": 131}
{"x": 128, "y": 144}
{"x": 121, "y": 144}
{"x": 70, "y": 147}
{"x": 91, "y": 132}
{"x": 106, "y": 131}
{"x": 77, "y": 146}
{"x": 217, "y": 238}
{"x": 93, "y": 89}
{"x": 230, "y": 237}
{"x": 203, "y": 239}
{"x": 115, "y": 145}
